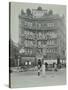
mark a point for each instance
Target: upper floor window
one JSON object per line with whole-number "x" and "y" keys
{"x": 28, "y": 24}
{"x": 50, "y": 24}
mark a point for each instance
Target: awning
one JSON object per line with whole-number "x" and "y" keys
{"x": 50, "y": 61}
{"x": 28, "y": 58}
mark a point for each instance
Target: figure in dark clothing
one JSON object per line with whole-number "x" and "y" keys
{"x": 38, "y": 70}
{"x": 55, "y": 66}
{"x": 39, "y": 63}
{"x": 46, "y": 65}
{"x": 39, "y": 66}
{"x": 58, "y": 62}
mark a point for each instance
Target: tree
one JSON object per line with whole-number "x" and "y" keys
{"x": 22, "y": 12}
{"x": 13, "y": 53}
{"x": 50, "y": 12}
{"x": 39, "y": 8}
{"x": 28, "y": 12}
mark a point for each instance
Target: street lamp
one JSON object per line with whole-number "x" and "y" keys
{"x": 20, "y": 52}
{"x": 18, "y": 60}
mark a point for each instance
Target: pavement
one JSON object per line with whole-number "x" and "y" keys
{"x": 31, "y": 79}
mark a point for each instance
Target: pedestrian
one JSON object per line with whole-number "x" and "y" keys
{"x": 39, "y": 67}
{"x": 58, "y": 61}
{"x": 46, "y": 65}
{"x": 43, "y": 68}
{"x": 55, "y": 66}
{"x": 38, "y": 70}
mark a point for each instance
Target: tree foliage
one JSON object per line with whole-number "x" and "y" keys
{"x": 50, "y": 12}
{"x": 28, "y": 12}
{"x": 39, "y": 8}
{"x": 22, "y": 12}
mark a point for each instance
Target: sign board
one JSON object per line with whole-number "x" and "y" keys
{"x": 37, "y": 13}
{"x": 26, "y": 63}
{"x": 28, "y": 58}
{"x": 51, "y": 61}
{"x": 39, "y": 56}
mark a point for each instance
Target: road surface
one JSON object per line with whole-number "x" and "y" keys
{"x": 31, "y": 79}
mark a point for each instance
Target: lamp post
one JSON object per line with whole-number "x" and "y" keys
{"x": 20, "y": 52}
{"x": 18, "y": 61}
{"x": 44, "y": 50}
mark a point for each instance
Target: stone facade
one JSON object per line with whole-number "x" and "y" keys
{"x": 40, "y": 35}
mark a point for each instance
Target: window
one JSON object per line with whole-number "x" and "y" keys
{"x": 39, "y": 43}
{"x": 43, "y": 36}
{"x": 28, "y": 24}
{"x": 30, "y": 52}
{"x": 25, "y": 43}
{"x": 25, "y": 23}
{"x": 39, "y": 25}
{"x": 25, "y": 32}
{"x": 50, "y": 24}
{"x": 25, "y": 51}
{"x": 50, "y": 50}
{"x": 31, "y": 43}
{"x": 40, "y": 35}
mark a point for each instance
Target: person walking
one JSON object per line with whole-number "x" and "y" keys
{"x": 46, "y": 66}
{"x": 39, "y": 66}
{"x": 58, "y": 62}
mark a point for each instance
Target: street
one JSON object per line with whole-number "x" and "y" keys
{"x": 31, "y": 79}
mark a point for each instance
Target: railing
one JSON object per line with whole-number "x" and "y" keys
{"x": 33, "y": 37}
{"x": 40, "y": 28}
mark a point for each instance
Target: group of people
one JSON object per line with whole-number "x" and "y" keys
{"x": 41, "y": 65}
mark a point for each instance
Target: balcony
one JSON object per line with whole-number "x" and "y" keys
{"x": 40, "y": 28}
{"x": 29, "y": 37}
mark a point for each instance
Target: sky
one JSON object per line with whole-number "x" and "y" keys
{"x": 16, "y": 10}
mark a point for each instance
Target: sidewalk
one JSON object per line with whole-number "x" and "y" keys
{"x": 31, "y": 79}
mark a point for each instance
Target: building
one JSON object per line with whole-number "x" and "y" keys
{"x": 40, "y": 35}
{"x": 13, "y": 53}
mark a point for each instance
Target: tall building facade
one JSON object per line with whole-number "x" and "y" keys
{"x": 40, "y": 35}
